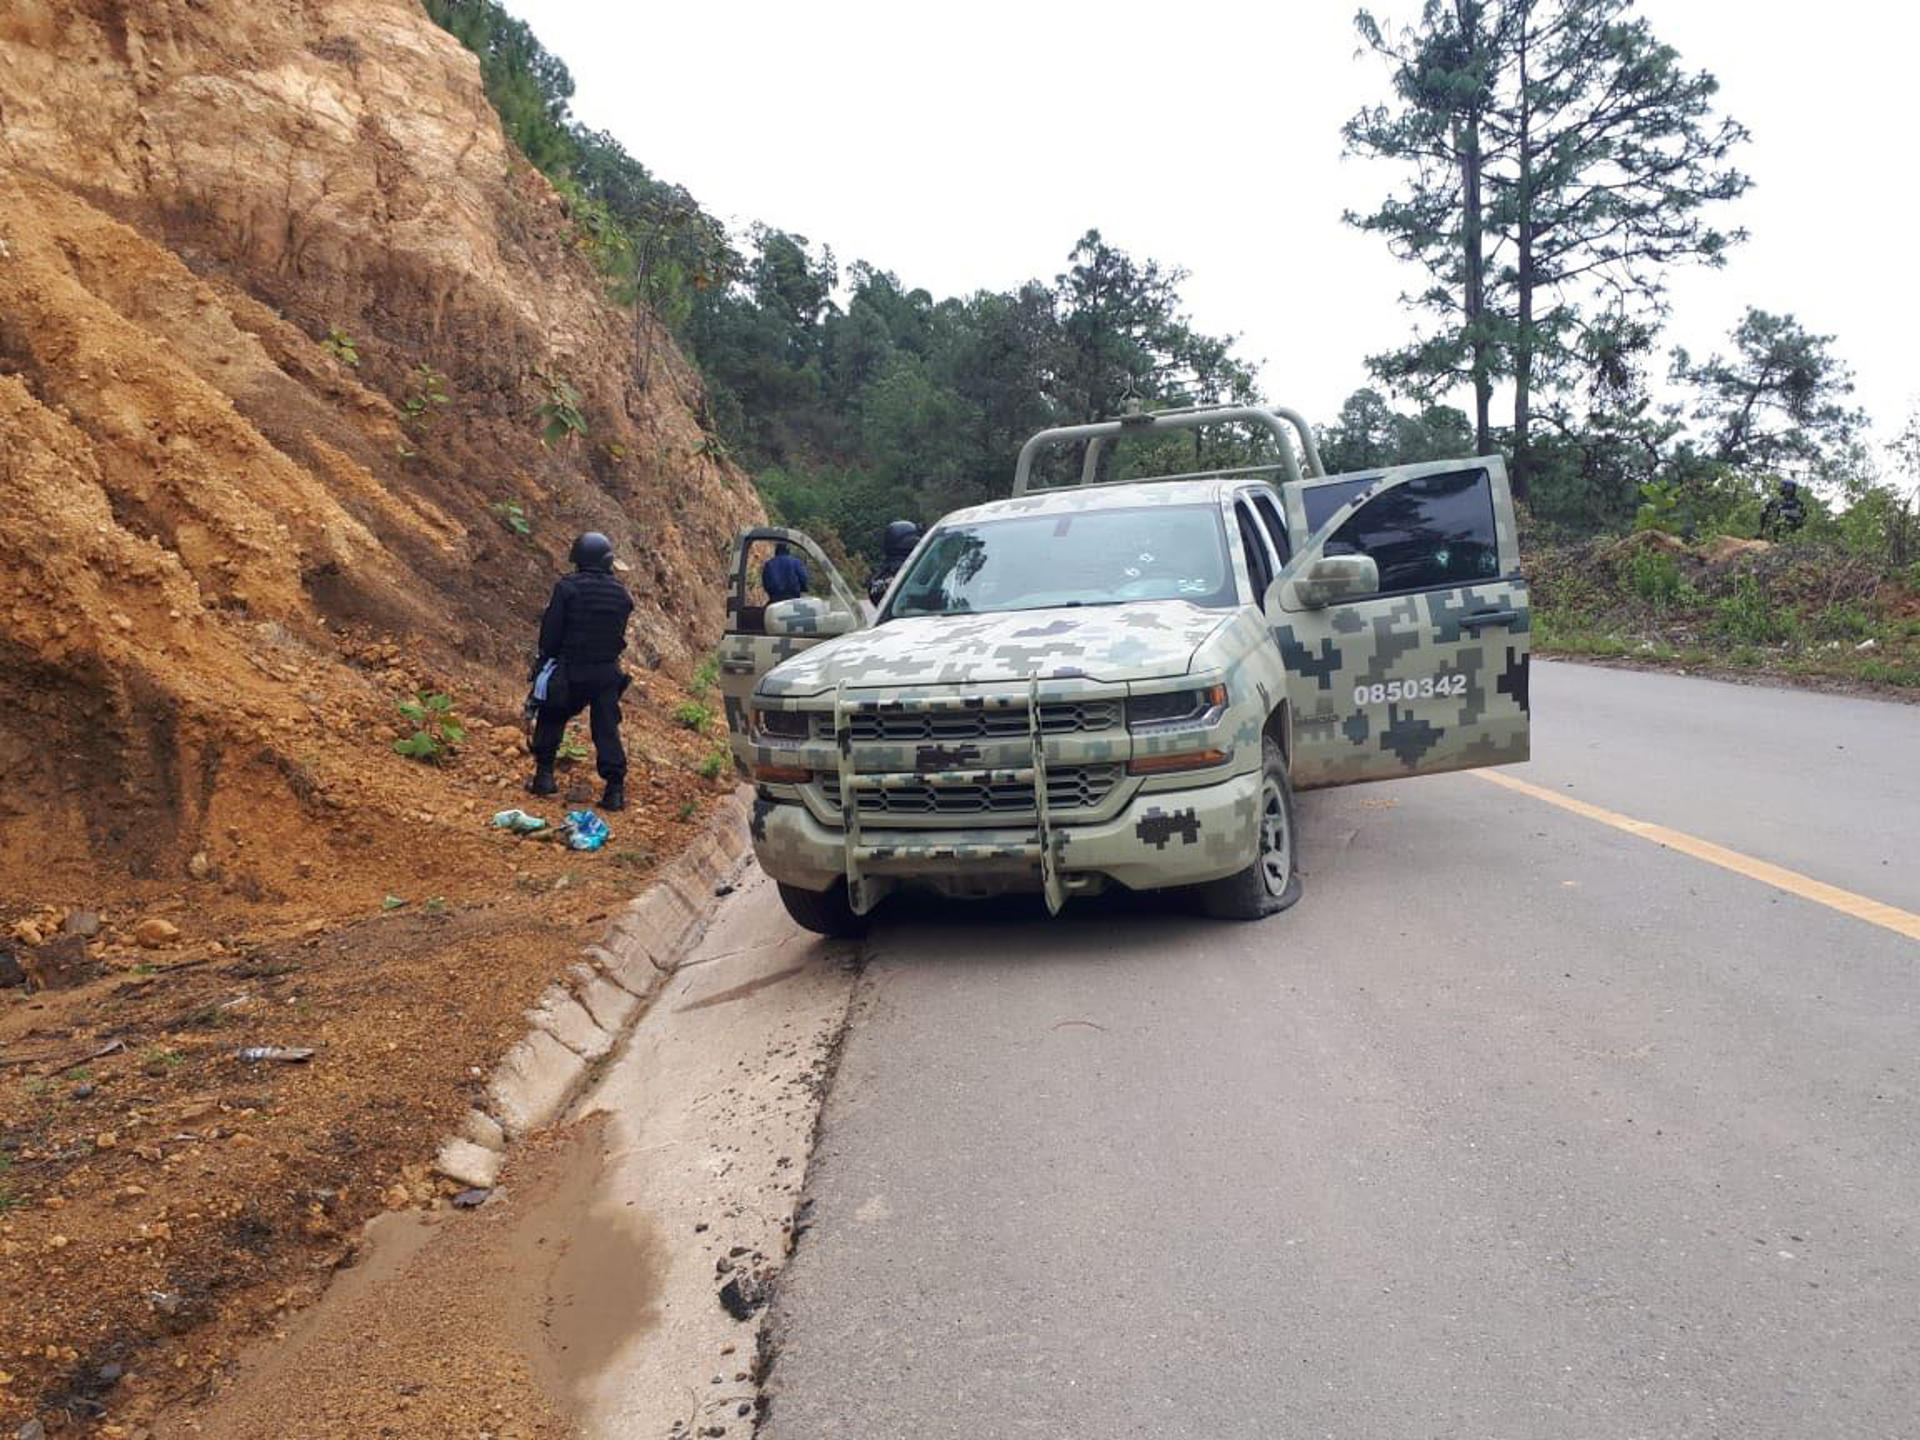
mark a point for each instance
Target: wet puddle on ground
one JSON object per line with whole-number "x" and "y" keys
{"x": 452, "y": 1323}
{"x": 591, "y": 1273}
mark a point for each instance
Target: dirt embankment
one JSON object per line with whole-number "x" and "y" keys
{"x": 279, "y": 310}
{"x": 1809, "y": 611}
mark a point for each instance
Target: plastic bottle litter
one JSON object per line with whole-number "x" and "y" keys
{"x": 286, "y": 1054}
{"x": 586, "y": 830}
{"x": 519, "y": 821}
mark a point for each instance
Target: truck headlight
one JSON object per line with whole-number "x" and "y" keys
{"x": 1176, "y": 709}
{"x": 780, "y": 725}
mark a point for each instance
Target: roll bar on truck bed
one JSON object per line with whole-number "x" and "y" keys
{"x": 1282, "y": 424}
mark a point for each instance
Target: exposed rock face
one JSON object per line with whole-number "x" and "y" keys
{"x": 200, "y": 500}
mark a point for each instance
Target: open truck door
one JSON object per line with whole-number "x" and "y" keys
{"x": 1403, "y": 622}
{"x": 759, "y": 636}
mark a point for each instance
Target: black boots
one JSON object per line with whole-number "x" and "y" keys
{"x": 614, "y": 797}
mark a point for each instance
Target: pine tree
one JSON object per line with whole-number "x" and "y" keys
{"x": 1562, "y": 160}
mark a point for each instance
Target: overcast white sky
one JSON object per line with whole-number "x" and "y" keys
{"x": 967, "y": 146}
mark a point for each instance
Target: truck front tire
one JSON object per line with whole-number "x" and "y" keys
{"x": 824, "y": 912}
{"x": 1272, "y": 882}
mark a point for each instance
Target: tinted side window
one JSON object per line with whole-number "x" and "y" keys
{"x": 1259, "y": 567}
{"x": 1430, "y": 533}
{"x": 1276, "y": 527}
{"x": 1323, "y": 500}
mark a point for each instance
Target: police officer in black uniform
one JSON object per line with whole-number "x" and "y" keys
{"x": 584, "y": 631}
{"x": 901, "y": 537}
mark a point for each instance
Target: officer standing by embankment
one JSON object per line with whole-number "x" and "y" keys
{"x": 582, "y": 634}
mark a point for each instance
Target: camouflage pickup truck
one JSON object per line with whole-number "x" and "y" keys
{"x": 1125, "y": 682}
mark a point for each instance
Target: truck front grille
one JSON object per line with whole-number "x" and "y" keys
{"x": 1069, "y": 787}
{"x": 912, "y": 726}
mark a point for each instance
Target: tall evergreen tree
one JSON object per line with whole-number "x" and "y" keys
{"x": 1125, "y": 338}
{"x": 1369, "y": 433}
{"x": 1562, "y": 160}
{"x": 1443, "y": 79}
{"x": 1778, "y": 403}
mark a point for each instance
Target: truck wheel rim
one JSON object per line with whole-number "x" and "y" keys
{"x": 1276, "y": 843}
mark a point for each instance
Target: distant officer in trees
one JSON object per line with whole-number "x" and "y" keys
{"x": 784, "y": 577}
{"x": 581, "y": 637}
{"x": 901, "y": 537}
{"x": 1785, "y": 513}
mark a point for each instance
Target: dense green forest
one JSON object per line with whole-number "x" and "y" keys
{"x": 1547, "y": 163}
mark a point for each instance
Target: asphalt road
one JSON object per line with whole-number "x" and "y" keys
{"x": 1518, "y": 1125}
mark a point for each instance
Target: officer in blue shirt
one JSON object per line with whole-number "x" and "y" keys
{"x": 784, "y": 577}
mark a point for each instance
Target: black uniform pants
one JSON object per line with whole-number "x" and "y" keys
{"x": 597, "y": 690}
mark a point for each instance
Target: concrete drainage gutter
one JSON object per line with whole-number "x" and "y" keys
{"x": 580, "y": 1021}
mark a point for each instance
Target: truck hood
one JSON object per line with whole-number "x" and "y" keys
{"x": 1112, "y": 643}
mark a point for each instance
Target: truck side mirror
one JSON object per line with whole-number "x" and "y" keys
{"x": 1333, "y": 578}
{"x": 809, "y": 615}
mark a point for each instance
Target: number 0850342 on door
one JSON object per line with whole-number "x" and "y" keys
{"x": 1427, "y": 687}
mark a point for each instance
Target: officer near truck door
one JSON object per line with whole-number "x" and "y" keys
{"x": 895, "y": 547}
{"x": 784, "y": 577}
{"x": 581, "y": 637}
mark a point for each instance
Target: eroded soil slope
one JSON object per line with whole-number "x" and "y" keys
{"x": 230, "y": 543}
{"x": 195, "y": 196}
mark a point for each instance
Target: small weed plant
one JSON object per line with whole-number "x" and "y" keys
{"x": 573, "y": 745}
{"x": 692, "y": 715}
{"x": 1656, "y": 579}
{"x": 426, "y": 393}
{"x": 717, "y": 760}
{"x": 513, "y": 515}
{"x": 560, "y": 414}
{"x": 704, "y": 679}
{"x": 1845, "y": 620}
{"x": 436, "y": 729}
{"x": 1750, "y": 616}
{"x": 340, "y": 345}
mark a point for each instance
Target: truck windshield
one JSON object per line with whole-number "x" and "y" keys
{"x": 1074, "y": 557}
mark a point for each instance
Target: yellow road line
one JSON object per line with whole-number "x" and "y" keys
{"x": 1887, "y": 917}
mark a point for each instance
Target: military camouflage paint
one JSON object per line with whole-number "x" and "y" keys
{"x": 1137, "y": 641}
{"x": 1479, "y": 716}
{"x": 746, "y": 654}
{"x": 1368, "y": 687}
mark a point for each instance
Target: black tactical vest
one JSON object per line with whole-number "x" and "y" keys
{"x": 597, "y": 609}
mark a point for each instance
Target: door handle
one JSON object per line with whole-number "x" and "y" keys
{"x": 1480, "y": 618}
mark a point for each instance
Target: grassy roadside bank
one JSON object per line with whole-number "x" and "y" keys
{"x": 1804, "y": 611}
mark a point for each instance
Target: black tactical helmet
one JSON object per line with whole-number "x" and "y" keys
{"x": 902, "y": 536}
{"x": 592, "y": 551}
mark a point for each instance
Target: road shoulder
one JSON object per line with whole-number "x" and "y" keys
{"x": 584, "y": 1296}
